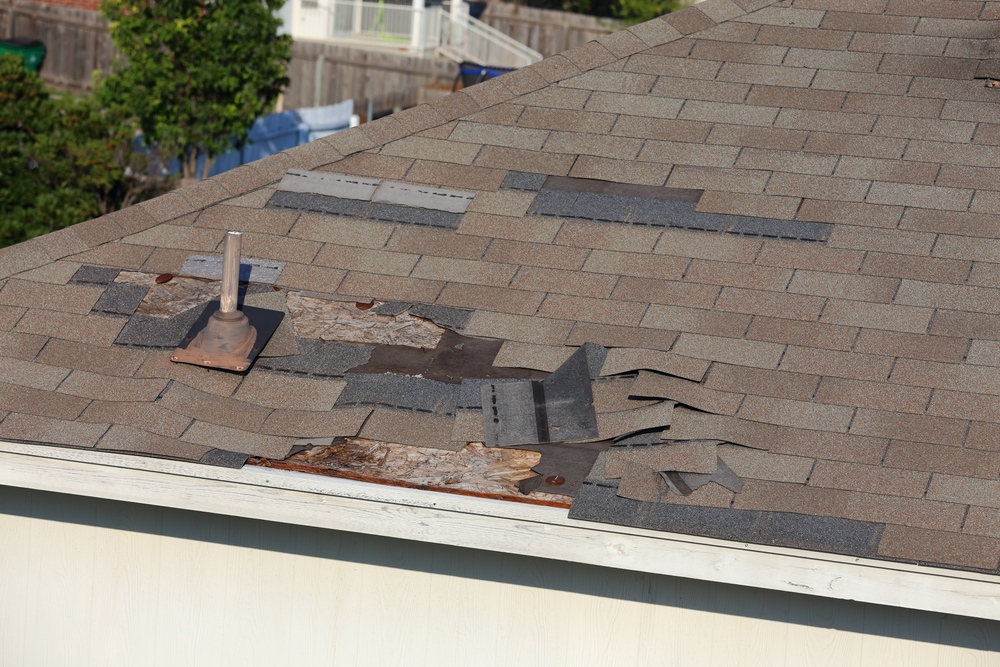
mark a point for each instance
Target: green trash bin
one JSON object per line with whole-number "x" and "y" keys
{"x": 32, "y": 50}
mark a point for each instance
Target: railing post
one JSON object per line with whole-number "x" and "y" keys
{"x": 416, "y": 27}
{"x": 356, "y": 23}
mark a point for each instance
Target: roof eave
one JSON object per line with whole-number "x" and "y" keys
{"x": 492, "y": 525}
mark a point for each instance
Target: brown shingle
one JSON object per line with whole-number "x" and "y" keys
{"x": 464, "y": 271}
{"x": 236, "y": 440}
{"x": 728, "y": 180}
{"x": 358, "y": 259}
{"x": 835, "y": 363}
{"x": 33, "y": 428}
{"x": 562, "y": 307}
{"x": 158, "y": 365}
{"x": 778, "y": 497}
{"x": 607, "y": 237}
{"x": 372, "y": 165}
{"x": 390, "y": 288}
{"x": 611, "y": 335}
{"x": 796, "y": 414}
{"x": 917, "y": 268}
{"x": 667, "y": 292}
{"x": 564, "y": 282}
{"x": 936, "y": 546}
{"x": 620, "y": 171}
{"x": 213, "y": 409}
{"x": 437, "y": 243}
{"x": 149, "y": 417}
{"x": 869, "y": 479}
{"x": 982, "y": 521}
{"x": 855, "y": 144}
{"x": 834, "y": 20}
{"x": 40, "y": 402}
{"x": 106, "y": 361}
{"x": 109, "y": 388}
{"x": 738, "y": 275}
{"x": 498, "y": 299}
{"x": 686, "y": 392}
{"x": 819, "y": 187}
{"x": 771, "y": 304}
{"x": 779, "y": 384}
{"x": 92, "y": 329}
{"x": 843, "y": 286}
{"x": 802, "y": 256}
{"x": 534, "y": 229}
{"x": 939, "y": 459}
{"x": 64, "y": 298}
{"x": 537, "y": 254}
{"x": 920, "y": 428}
{"x": 23, "y": 346}
{"x": 728, "y": 87}
{"x": 518, "y": 327}
{"x": 696, "y": 320}
{"x": 448, "y": 175}
{"x": 854, "y": 213}
{"x": 879, "y": 395}
{"x": 741, "y": 352}
{"x": 698, "y": 245}
{"x": 338, "y": 422}
{"x": 912, "y": 346}
{"x": 758, "y": 464}
{"x": 964, "y": 405}
{"x": 130, "y": 439}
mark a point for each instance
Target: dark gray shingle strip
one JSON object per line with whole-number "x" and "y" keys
{"x": 94, "y": 275}
{"x": 600, "y": 502}
{"x": 667, "y": 213}
{"x": 120, "y": 299}
{"x": 400, "y": 391}
{"x": 317, "y": 358}
{"x": 360, "y": 209}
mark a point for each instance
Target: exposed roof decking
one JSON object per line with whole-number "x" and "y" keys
{"x": 866, "y": 363}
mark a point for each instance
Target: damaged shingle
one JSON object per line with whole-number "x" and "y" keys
{"x": 401, "y": 392}
{"x": 159, "y": 332}
{"x": 319, "y": 358}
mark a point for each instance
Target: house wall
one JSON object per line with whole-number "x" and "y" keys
{"x": 95, "y": 582}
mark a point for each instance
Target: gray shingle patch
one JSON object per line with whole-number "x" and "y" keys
{"x": 400, "y": 391}
{"x": 422, "y": 196}
{"x": 621, "y": 189}
{"x": 319, "y": 358}
{"x": 223, "y": 458}
{"x": 470, "y": 394}
{"x": 668, "y": 213}
{"x": 360, "y": 209}
{"x": 120, "y": 299}
{"x": 523, "y": 180}
{"x": 820, "y": 533}
{"x": 158, "y": 332}
{"x": 596, "y": 355}
{"x": 252, "y": 270}
{"x": 331, "y": 185}
{"x": 450, "y": 318}
{"x": 316, "y": 203}
{"x": 413, "y": 216}
{"x": 598, "y": 500}
{"x": 559, "y": 408}
{"x": 94, "y": 275}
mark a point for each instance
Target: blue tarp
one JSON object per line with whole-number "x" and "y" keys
{"x": 277, "y": 132}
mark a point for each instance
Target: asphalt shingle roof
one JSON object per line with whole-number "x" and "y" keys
{"x": 827, "y": 305}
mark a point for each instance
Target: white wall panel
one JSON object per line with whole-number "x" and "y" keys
{"x": 91, "y": 582}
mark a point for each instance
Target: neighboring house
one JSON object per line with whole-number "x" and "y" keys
{"x": 775, "y": 223}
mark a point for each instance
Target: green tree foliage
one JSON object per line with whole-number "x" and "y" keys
{"x": 62, "y": 161}
{"x": 196, "y": 73}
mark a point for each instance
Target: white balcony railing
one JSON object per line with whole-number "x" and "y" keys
{"x": 417, "y": 29}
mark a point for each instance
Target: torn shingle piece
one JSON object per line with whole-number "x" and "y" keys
{"x": 655, "y": 385}
{"x": 392, "y": 308}
{"x": 319, "y": 358}
{"x": 422, "y": 196}
{"x": 514, "y": 354}
{"x": 443, "y": 316}
{"x": 224, "y": 458}
{"x": 569, "y": 401}
{"x": 523, "y": 180}
{"x": 695, "y": 457}
{"x": 122, "y": 438}
{"x": 566, "y": 464}
{"x": 641, "y": 439}
{"x": 400, "y": 391}
{"x": 612, "y": 395}
{"x": 238, "y": 440}
{"x": 722, "y": 475}
{"x": 332, "y": 185}
{"x": 338, "y": 422}
{"x": 408, "y": 428}
{"x": 317, "y": 203}
{"x": 120, "y": 299}
{"x": 639, "y": 482}
{"x": 261, "y": 271}
{"x": 94, "y": 275}
{"x": 615, "y": 424}
{"x": 413, "y": 216}
{"x": 628, "y": 359}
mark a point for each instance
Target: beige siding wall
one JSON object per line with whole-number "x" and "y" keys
{"x": 90, "y": 582}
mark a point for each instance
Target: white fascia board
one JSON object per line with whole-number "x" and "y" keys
{"x": 493, "y": 525}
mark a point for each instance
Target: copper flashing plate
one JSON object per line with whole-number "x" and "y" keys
{"x": 264, "y": 322}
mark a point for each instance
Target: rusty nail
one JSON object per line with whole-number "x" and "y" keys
{"x": 555, "y": 480}
{"x": 993, "y": 84}
{"x": 164, "y": 278}
{"x": 277, "y": 289}
{"x": 364, "y": 306}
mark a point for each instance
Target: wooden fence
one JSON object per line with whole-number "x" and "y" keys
{"x": 546, "y": 31}
{"x": 77, "y": 40}
{"x": 326, "y": 74}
